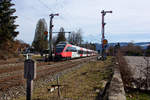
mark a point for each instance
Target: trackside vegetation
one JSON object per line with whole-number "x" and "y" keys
{"x": 138, "y": 96}
{"x": 86, "y": 82}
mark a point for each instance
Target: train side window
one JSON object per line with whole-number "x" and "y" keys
{"x": 73, "y": 49}
{"x": 68, "y": 49}
{"x": 80, "y": 52}
{"x": 84, "y": 52}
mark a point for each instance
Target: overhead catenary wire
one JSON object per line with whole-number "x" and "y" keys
{"x": 48, "y": 8}
{"x": 44, "y": 5}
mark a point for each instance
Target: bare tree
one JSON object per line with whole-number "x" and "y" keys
{"x": 71, "y": 38}
{"x": 132, "y": 50}
{"x": 75, "y": 38}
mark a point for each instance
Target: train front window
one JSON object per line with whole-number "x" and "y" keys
{"x": 59, "y": 50}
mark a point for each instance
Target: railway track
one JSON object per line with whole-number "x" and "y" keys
{"x": 43, "y": 69}
{"x": 18, "y": 66}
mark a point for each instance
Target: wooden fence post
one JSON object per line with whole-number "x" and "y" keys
{"x": 29, "y": 74}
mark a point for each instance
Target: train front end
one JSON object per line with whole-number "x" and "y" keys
{"x": 59, "y": 51}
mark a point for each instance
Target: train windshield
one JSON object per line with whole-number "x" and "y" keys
{"x": 59, "y": 50}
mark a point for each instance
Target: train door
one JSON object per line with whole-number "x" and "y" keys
{"x": 73, "y": 52}
{"x": 81, "y": 52}
{"x": 77, "y": 53}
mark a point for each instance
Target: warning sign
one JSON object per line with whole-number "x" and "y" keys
{"x": 105, "y": 41}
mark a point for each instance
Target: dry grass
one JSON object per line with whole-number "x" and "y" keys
{"x": 126, "y": 74}
{"x": 84, "y": 83}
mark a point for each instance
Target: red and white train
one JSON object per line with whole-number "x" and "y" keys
{"x": 65, "y": 50}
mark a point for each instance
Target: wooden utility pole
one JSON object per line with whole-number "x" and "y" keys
{"x": 58, "y": 86}
{"x": 50, "y": 36}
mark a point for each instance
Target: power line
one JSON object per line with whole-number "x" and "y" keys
{"x": 51, "y": 10}
{"x": 27, "y": 18}
{"x": 61, "y": 17}
{"x": 44, "y": 4}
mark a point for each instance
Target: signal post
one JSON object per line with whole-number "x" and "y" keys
{"x": 50, "y": 36}
{"x": 104, "y": 41}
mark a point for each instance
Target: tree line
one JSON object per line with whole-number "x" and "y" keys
{"x": 130, "y": 50}
{"x": 8, "y": 44}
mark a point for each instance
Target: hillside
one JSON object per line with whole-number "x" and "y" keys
{"x": 142, "y": 44}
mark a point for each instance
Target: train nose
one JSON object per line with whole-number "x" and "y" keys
{"x": 58, "y": 56}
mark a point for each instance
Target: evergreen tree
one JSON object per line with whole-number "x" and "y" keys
{"x": 40, "y": 43}
{"x": 7, "y": 20}
{"x": 61, "y": 36}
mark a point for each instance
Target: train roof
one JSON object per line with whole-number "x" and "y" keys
{"x": 64, "y": 43}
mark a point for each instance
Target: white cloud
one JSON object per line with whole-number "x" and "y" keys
{"x": 129, "y": 16}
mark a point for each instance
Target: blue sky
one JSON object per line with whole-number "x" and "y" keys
{"x": 130, "y": 20}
